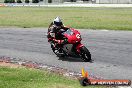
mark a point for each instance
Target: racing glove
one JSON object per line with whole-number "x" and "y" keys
{"x": 60, "y": 41}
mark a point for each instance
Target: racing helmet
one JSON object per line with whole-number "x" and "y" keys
{"x": 57, "y": 21}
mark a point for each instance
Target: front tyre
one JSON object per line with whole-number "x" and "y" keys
{"x": 85, "y": 54}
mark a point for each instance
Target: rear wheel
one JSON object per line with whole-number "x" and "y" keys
{"x": 85, "y": 54}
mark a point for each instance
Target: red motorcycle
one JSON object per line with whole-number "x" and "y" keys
{"x": 73, "y": 47}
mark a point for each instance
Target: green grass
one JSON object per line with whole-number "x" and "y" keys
{"x": 1, "y": 1}
{"x": 94, "y": 18}
{"x": 32, "y": 78}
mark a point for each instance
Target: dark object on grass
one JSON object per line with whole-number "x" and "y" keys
{"x": 84, "y": 81}
{"x": 6, "y": 1}
{"x": 9, "y": 1}
{"x": 49, "y": 1}
{"x": 26, "y": 1}
{"x": 19, "y": 1}
{"x": 35, "y": 1}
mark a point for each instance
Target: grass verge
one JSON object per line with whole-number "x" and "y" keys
{"x": 34, "y": 78}
{"x": 85, "y": 18}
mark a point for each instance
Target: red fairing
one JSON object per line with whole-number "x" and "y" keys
{"x": 74, "y": 38}
{"x": 78, "y": 47}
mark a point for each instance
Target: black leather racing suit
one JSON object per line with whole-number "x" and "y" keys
{"x": 55, "y": 34}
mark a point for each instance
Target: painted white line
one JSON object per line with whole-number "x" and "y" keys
{"x": 72, "y": 5}
{"x": 124, "y": 87}
{"x": 104, "y": 30}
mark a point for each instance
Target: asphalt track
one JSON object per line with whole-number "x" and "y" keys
{"x": 111, "y": 50}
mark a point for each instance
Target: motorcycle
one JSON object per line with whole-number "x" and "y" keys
{"x": 73, "y": 47}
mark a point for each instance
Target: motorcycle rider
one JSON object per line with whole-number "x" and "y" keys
{"x": 54, "y": 33}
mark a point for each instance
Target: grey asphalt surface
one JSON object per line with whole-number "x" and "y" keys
{"x": 111, "y": 50}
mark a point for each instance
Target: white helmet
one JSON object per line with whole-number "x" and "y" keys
{"x": 57, "y": 21}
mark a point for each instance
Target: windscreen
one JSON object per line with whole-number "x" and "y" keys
{"x": 69, "y": 32}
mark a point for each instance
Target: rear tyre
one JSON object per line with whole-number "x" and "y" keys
{"x": 85, "y": 54}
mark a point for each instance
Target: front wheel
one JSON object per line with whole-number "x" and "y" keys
{"x": 85, "y": 54}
